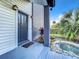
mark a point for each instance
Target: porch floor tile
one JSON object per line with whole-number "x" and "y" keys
{"x": 36, "y": 51}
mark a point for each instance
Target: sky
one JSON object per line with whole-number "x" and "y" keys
{"x": 61, "y": 7}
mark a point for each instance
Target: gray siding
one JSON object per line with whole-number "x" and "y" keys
{"x": 7, "y": 29}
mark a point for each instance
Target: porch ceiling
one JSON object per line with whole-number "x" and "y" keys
{"x": 41, "y": 2}
{"x": 51, "y": 3}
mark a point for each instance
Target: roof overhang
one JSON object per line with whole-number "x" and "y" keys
{"x": 51, "y": 3}
{"x": 41, "y": 2}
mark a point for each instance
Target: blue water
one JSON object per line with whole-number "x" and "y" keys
{"x": 69, "y": 48}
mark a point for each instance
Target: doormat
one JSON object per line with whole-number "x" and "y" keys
{"x": 28, "y": 44}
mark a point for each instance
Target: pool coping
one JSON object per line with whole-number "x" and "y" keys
{"x": 63, "y": 51}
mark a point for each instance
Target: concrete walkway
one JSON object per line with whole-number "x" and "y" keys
{"x": 36, "y": 51}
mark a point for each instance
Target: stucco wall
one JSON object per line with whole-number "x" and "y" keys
{"x": 38, "y": 19}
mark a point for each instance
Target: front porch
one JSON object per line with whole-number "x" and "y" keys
{"x": 35, "y": 51}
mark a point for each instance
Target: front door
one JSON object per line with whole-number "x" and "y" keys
{"x": 22, "y": 27}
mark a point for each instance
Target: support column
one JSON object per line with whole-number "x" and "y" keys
{"x": 46, "y": 26}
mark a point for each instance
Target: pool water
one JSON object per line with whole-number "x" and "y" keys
{"x": 69, "y": 48}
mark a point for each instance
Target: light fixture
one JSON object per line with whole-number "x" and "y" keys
{"x": 14, "y": 7}
{"x": 51, "y": 8}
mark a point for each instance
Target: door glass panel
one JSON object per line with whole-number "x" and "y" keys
{"x": 22, "y": 27}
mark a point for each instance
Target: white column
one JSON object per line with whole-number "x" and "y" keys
{"x": 29, "y": 28}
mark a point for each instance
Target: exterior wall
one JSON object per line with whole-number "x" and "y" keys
{"x": 38, "y": 19}
{"x": 25, "y": 7}
{"x": 41, "y": 19}
{"x": 7, "y": 29}
{"x": 11, "y": 18}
